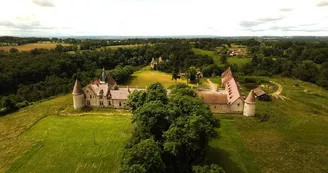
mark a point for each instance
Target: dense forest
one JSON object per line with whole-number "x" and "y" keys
{"x": 40, "y": 73}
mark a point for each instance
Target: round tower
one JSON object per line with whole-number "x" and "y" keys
{"x": 78, "y": 96}
{"x": 249, "y": 106}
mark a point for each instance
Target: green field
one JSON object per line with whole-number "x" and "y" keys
{"x": 145, "y": 77}
{"x": 52, "y": 137}
{"x": 285, "y": 136}
{"x": 240, "y": 61}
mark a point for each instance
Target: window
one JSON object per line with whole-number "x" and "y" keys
{"x": 100, "y": 97}
{"x": 214, "y": 107}
{"x": 238, "y": 104}
{"x": 90, "y": 97}
{"x": 101, "y": 103}
{"x": 88, "y": 102}
{"x": 120, "y": 103}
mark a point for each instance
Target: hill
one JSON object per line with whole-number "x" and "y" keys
{"x": 285, "y": 136}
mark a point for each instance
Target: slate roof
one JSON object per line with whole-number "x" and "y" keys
{"x": 77, "y": 90}
{"x": 250, "y": 98}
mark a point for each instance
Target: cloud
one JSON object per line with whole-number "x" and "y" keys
{"x": 322, "y": 4}
{"x": 259, "y": 21}
{"x": 32, "y": 25}
{"x": 44, "y": 3}
{"x": 6, "y": 23}
{"x": 285, "y": 9}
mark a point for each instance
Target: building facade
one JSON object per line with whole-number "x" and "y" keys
{"x": 229, "y": 98}
{"x": 102, "y": 92}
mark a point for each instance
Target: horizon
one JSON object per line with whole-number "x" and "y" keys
{"x": 144, "y": 18}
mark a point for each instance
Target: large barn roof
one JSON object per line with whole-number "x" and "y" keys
{"x": 213, "y": 98}
{"x": 233, "y": 91}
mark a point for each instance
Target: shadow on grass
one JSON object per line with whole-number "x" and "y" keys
{"x": 222, "y": 158}
{"x": 127, "y": 82}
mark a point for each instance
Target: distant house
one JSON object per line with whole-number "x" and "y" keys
{"x": 236, "y": 52}
{"x": 155, "y": 62}
{"x": 260, "y": 94}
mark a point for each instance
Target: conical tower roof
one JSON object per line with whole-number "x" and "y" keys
{"x": 251, "y": 97}
{"x": 77, "y": 88}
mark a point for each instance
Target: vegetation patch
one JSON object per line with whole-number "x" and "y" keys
{"x": 28, "y": 47}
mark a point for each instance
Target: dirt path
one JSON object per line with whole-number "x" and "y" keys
{"x": 213, "y": 86}
{"x": 277, "y": 94}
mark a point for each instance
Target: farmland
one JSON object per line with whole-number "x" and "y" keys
{"x": 28, "y": 47}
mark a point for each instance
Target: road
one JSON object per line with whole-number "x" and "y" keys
{"x": 213, "y": 86}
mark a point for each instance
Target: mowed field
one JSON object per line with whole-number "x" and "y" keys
{"x": 239, "y": 61}
{"x": 28, "y": 47}
{"x": 51, "y": 137}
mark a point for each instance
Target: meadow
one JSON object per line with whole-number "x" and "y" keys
{"x": 285, "y": 135}
{"x": 238, "y": 60}
{"x": 28, "y": 47}
{"x": 52, "y": 137}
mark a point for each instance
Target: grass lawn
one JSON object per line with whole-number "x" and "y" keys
{"x": 146, "y": 77}
{"x": 40, "y": 139}
{"x": 229, "y": 151}
{"x": 28, "y": 47}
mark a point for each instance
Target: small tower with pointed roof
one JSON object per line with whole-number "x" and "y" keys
{"x": 103, "y": 76}
{"x": 249, "y": 106}
{"x": 78, "y": 96}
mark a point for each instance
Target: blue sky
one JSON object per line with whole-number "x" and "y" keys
{"x": 164, "y": 17}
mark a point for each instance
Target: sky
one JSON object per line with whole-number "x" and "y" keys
{"x": 48, "y": 18}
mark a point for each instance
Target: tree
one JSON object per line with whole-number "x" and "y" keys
{"x": 213, "y": 168}
{"x": 155, "y": 117}
{"x": 144, "y": 157}
{"x": 191, "y": 74}
{"x": 59, "y": 48}
{"x": 307, "y": 71}
{"x": 156, "y": 91}
{"x": 13, "y": 50}
{"x": 8, "y": 103}
{"x": 136, "y": 99}
{"x": 224, "y": 58}
{"x": 175, "y": 75}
